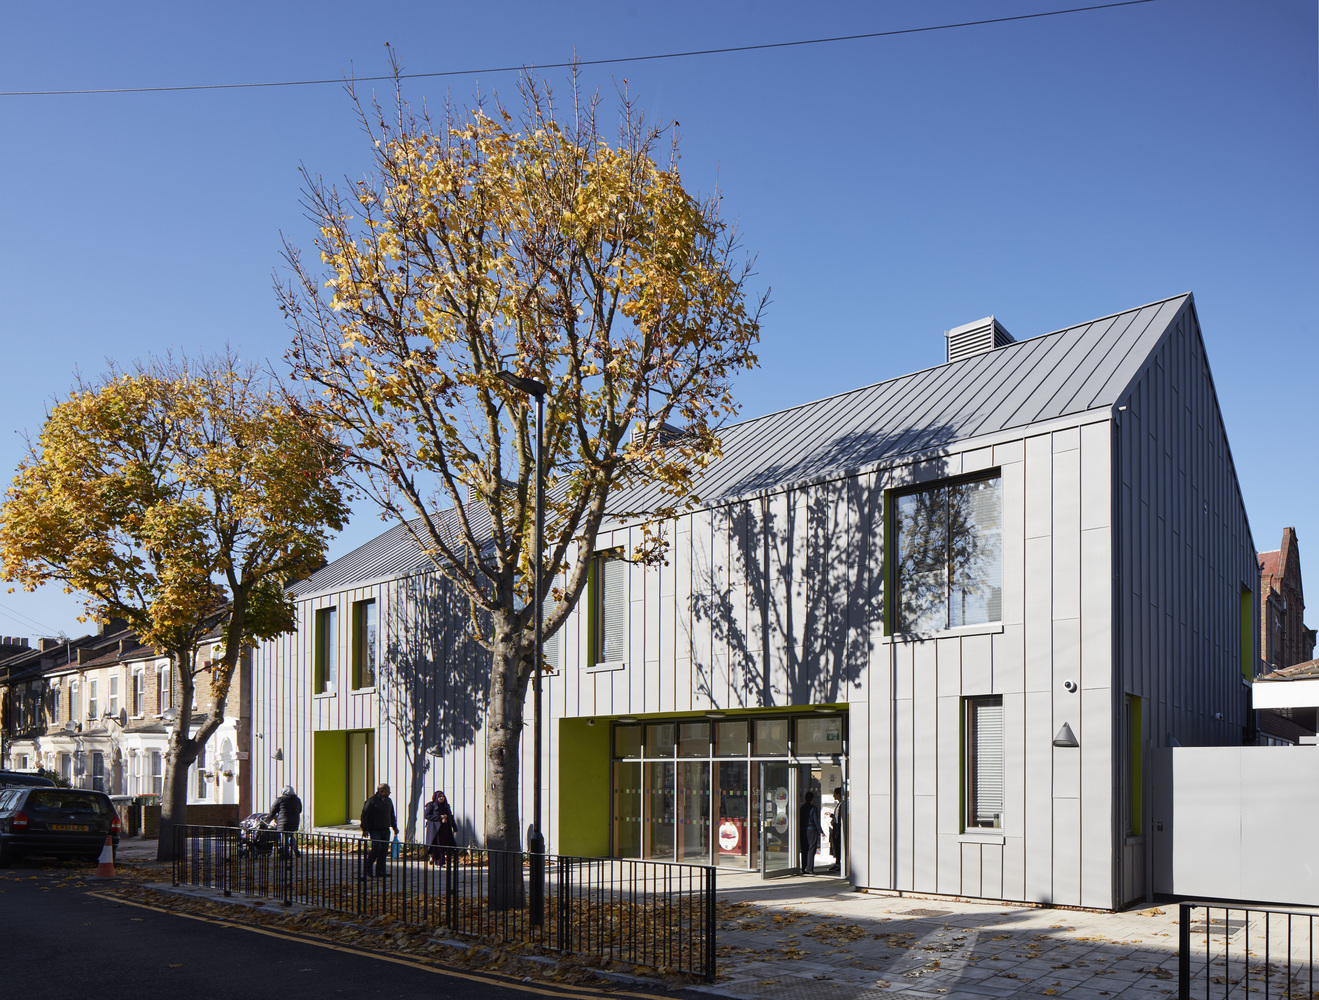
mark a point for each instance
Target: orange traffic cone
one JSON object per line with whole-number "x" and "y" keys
{"x": 105, "y": 866}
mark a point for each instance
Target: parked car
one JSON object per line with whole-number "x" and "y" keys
{"x": 48, "y": 820}
{"x": 24, "y": 778}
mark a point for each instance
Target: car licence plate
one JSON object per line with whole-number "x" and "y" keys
{"x": 70, "y": 827}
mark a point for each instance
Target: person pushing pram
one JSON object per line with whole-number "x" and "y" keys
{"x": 286, "y": 817}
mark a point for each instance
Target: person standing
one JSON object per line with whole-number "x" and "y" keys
{"x": 836, "y": 826}
{"x": 377, "y": 820}
{"x": 440, "y": 832}
{"x": 808, "y": 831}
{"x": 286, "y": 815}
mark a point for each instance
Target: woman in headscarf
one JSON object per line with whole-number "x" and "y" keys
{"x": 439, "y": 827}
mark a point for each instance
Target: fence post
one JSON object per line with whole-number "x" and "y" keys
{"x": 226, "y": 861}
{"x": 709, "y": 923}
{"x": 563, "y": 901}
{"x": 1184, "y": 951}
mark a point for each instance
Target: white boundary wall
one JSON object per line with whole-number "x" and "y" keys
{"x": 1236, "y": 823}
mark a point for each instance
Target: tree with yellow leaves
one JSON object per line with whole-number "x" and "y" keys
{"x": 181, "y": 498}
{"x": 540, "y": 246}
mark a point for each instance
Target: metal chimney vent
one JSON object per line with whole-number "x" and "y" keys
{"x": 976, "y": 338}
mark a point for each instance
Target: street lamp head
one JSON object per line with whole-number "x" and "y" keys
{"x": 530, "y": 386}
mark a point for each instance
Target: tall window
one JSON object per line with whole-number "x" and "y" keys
{"x": 200, "y": 769}
{"x": 98, "y": 770}
{"x": 327, "y": 666}
{"x": 75, "y": 703}
{"x": 66, "y": 767}
{"x": 139, "y": 692}
{"x": 114, "y": 694}
{"x": 157, "y": 772}
{"x": 55, "y": 702}
{"x": 608, "y": 607}
{"x": 162, "y": 689}
{"x": 1131, "y": 726}
{"x": 364, "y": 644}
{"x": 552, "y": 648}
{"x": 984, "y": 763}
{"x": 92, "y": 705}
{"x": 949, "y": 555}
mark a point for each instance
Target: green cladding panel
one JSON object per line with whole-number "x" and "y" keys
{"x": 329, "y": 751}
{"x": 583, "y": 797}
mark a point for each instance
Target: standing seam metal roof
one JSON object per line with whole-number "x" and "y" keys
{"x": 1054, "y": 375}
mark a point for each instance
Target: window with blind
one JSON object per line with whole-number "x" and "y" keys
{"x": 327, "y": 664}
{"x": 364, "y": 644}
{"x": 948, "y": 542}
{"x": 984, "y": 763}
{"x": 609, "y": 607}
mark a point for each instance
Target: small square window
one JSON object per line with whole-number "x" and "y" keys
{"x": 627, "y": 741}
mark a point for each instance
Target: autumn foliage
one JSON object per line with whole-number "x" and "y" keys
{"x": 535, "y": 243}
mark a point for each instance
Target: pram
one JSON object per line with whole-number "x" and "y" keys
{"x": 256, "y": 837}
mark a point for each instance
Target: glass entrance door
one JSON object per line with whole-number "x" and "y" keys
{"x": 778, "y": 828}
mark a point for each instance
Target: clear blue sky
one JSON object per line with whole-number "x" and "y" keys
{"x": 1048, "y": 171}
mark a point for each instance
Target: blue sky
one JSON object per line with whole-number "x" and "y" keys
{"x": 1047, "y": 171}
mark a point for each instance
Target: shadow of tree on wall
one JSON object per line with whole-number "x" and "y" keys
{"x": 434, "y": 682}
{"x": 802, "y": 587}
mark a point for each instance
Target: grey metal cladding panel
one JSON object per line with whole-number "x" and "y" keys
{"x": 922, "y": 423}
{"x": 956, "y": 418}
{"x": 1146, "y": 328}
{"x": 981, "y": 417}
{"x": 1087, "y": 354}
{"x": 1054, "y": 397}
{"x": 1032, "y": 376}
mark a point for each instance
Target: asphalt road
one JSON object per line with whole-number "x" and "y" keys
{"x": 58, "y": 940}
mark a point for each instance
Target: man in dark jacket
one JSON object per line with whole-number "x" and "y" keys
{"x": 286, "y": 815}
{"x": 377, "y": 820}
{"x": 808, "y": 833}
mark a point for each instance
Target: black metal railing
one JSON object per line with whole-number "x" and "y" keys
{"x": 1229, "y": 950}
{"x": 643, "y": 913}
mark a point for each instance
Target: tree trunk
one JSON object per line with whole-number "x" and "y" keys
{"x": 503, "y": 832}
{"x": 174, "y": 794}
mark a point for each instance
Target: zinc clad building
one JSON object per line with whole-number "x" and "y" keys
{"x": 970, "y": 598}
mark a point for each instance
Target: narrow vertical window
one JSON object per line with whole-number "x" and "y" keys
{"x": 139, "y": 692}
{"x": 114, "y": 694}
{"x": 98, "y": 768}
{"x": 1247, "y": 635}
{"x": 92, "y": 705}
{"x": 157, "y": 772}
{"x": 55, "y": 703}
{"x": 327, "y": 667}
{"x": 75, "y": 703}
{"x": 1132, "y": 728}
{"x": 609, "y": 607}
{"x": 984, "y": 763}
{"x": 364, "y": 644}
{"x": 949, "y": 555}
{"x": 552, "y": 647}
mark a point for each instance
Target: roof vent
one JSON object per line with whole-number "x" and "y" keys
{"x": 976, "y": 338}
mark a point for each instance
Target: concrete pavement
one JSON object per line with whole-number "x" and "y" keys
{"x": 815, "y": 937}
{"x": 808, "y": 937}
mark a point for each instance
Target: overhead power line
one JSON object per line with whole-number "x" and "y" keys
{"x": 577, "y": 62}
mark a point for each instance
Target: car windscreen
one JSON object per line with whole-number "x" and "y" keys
{"x": 66, "y": 801}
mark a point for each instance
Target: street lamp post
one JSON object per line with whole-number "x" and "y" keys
{"x": 536, "y": 839}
